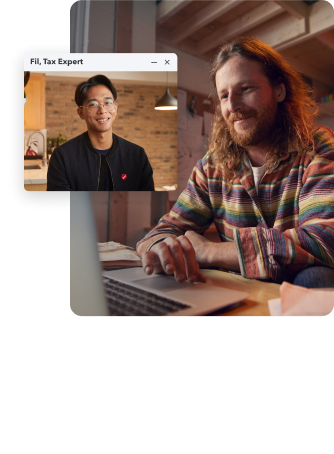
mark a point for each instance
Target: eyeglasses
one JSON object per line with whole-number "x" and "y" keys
{"x": 93, "y": 107}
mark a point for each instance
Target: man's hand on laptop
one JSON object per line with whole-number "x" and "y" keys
{"x": 208, "y": 253}
{"x": 174, "y": 255}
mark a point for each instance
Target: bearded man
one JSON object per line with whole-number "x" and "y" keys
{"x": 267, "y": 181}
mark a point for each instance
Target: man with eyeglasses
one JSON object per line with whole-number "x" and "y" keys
{"x": 98, "y": 159}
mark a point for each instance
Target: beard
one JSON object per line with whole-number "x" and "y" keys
{"x": 259, "y": 133}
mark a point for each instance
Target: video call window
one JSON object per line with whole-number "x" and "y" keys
{"x": 100, "y": 129}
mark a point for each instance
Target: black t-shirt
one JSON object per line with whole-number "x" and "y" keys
{"x": 106, "y": 183}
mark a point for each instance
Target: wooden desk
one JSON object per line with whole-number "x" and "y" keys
{"x": 259, "y": 292}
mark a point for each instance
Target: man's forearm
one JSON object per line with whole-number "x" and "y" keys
{"x": 226, "y": 256}
{"x": 222, "y": 255}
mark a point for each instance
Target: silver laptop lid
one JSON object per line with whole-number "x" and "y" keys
{"x": 87, "y": 293}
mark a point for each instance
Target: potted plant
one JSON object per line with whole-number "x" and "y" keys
{"x": 55, "y": 142}
{"x": 60, "y": 140}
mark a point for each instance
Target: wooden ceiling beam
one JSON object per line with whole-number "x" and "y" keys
{"x": 283, "y": 29}
{"x": 310, "y": 71}
{"x": 327, "y": 39}
{"x": 239, "y": 26}
{"x": 164, "y": 36}
{"x": 320, "y": 20}
{"x": 200, "y": 19}
{"x": 321, "y": 17}
{"x": 297, "y": 9}
{"x": 166, "y": 9}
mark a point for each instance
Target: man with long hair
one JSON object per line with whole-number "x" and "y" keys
{"x": 267, "y": 180}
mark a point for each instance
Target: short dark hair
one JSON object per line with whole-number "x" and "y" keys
{"x": 82, "y": 88}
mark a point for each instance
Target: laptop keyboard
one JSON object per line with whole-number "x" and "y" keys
{"x": 126, "y": 300}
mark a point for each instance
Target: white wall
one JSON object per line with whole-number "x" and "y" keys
{"x": 93, "y": 26}
{"x": 79, "y": 19}
{"x": 101, "y": 18}
{"x": 143, "y": 26}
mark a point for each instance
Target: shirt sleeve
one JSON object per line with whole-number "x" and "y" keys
{"x": 192, "y": 211}
{"x": 268, "y": 253}
{"x": 57, "y": 179}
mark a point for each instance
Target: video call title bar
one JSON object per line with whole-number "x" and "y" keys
{"x": 100, "y": 62}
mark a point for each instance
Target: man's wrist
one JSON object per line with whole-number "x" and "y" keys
{"x": 158, "y": 240}
{"x": 224, "y": 255}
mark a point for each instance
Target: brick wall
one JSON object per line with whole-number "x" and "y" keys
{"x": 137, "y": 121}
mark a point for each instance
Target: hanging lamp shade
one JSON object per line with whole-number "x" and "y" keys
{"x": 167, "y": 102}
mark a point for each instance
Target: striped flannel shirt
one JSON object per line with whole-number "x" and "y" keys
{"x": 287, "y": 226}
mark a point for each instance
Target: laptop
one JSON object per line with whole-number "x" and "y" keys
{"x": 130, "y": 291}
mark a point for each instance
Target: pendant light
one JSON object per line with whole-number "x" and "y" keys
{"x": 167, "y": 102}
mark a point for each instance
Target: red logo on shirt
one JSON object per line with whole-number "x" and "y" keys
{"x": 124, "y": 177}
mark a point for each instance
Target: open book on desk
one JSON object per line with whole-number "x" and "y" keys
{"x": 115, "y": 255}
